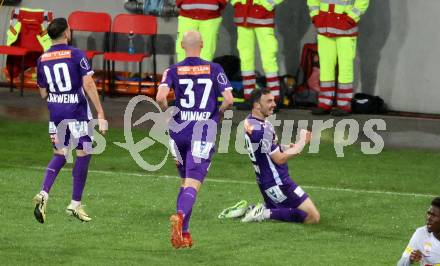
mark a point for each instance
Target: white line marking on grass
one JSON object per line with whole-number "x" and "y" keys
{"x": 224, "y": 181}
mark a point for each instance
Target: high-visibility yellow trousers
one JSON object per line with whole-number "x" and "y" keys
{"x": 333, "y": 51}
{"x": 268, "y": 46}
{"x": 208, "y": 30}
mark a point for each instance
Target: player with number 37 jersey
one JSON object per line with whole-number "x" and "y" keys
{"x": 197, "y": 84}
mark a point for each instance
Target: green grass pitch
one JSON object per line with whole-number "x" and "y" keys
{"x": 369, "y": 204}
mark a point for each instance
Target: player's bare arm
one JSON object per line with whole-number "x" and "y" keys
{"x": 43, "y": 93}
{"x": 161, "y": 97}
{"x": 228, "y": 101}
{"x": 92, "y": 92}
{"x": 294, "y": 149}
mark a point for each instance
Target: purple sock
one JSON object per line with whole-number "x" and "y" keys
{"x": 186, "y": 202}
{"x": 185, "y": 226}
{"x": 288, "y": 215}
{"x": 52, "y": 170}
{"x": 79, "y": 173}
{"x": 178, "y": 197}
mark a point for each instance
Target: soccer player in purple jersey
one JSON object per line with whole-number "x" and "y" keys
{"x": 284, "y": 199}
{"x": 197, "y": 84}
{"x": 63, "y": 75}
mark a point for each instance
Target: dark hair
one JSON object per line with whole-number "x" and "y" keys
{"x": 436, "y": 202}
{"x": 57, "y": 27}
{"x": 256, "y": 95}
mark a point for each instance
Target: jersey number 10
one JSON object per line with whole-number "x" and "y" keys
{"x": 58, "y": 69}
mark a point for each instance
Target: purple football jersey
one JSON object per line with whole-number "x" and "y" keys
{"x": 60, "y": 70}
{"x": 197, "y": 84}
{"x": 261, "y": 142}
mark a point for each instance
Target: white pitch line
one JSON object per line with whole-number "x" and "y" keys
{"x": 216, "y": 180}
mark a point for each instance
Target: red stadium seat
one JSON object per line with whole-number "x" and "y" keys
{"x": 24, "y": 47}
{"x": 91, "y": 22}
{"x": 15, "y": 51}
{"x": 136, "y": 24}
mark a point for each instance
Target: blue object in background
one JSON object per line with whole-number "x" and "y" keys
{"x": 237, "y": 85}
{"x": 153, "y": 7}
{"x": 131, "y": 49}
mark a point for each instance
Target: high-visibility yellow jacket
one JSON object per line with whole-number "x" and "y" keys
{"x": 335, "y": 18}
{"x": 255, "y": 13}
{"x": 35, "y": 21}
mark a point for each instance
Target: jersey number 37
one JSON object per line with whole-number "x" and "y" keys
{"x": 190, "y": 102}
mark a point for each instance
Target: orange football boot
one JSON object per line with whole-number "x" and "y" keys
{"x": 176, "y": 221}
{"x": 187, "y": 240}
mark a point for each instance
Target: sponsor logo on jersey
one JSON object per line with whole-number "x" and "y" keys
{"x": 78, "y": 128}
{"x": 194, "y": 70}
{"x": 201, "y": 149}
{"x": 222, "y": 79}
{"x": 275, "y": 194}
{"x": 428, "y": 247}
{"x": 62, "y": 54}
{"x": 84, "y": 63}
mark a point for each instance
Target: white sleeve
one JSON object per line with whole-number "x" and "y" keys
{"x": 404, "y": 261}
{"x": 412, "y": 245}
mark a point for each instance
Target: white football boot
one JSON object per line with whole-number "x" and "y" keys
{"x": 255, "y": 214}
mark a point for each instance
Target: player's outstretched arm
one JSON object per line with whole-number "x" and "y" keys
{"x": 294, "y": 149}
{"x": 161, "y": 97}
{"x": 92, "y": 92}
{"x": 228, "y": 101}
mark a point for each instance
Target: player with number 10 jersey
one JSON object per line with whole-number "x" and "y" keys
{"x": 64, "y": 76}
{"x": 61, "y": 70}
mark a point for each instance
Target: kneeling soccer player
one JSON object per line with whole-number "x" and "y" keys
{"x": 284, "y": 199}
{"x": 63, "y": 75}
